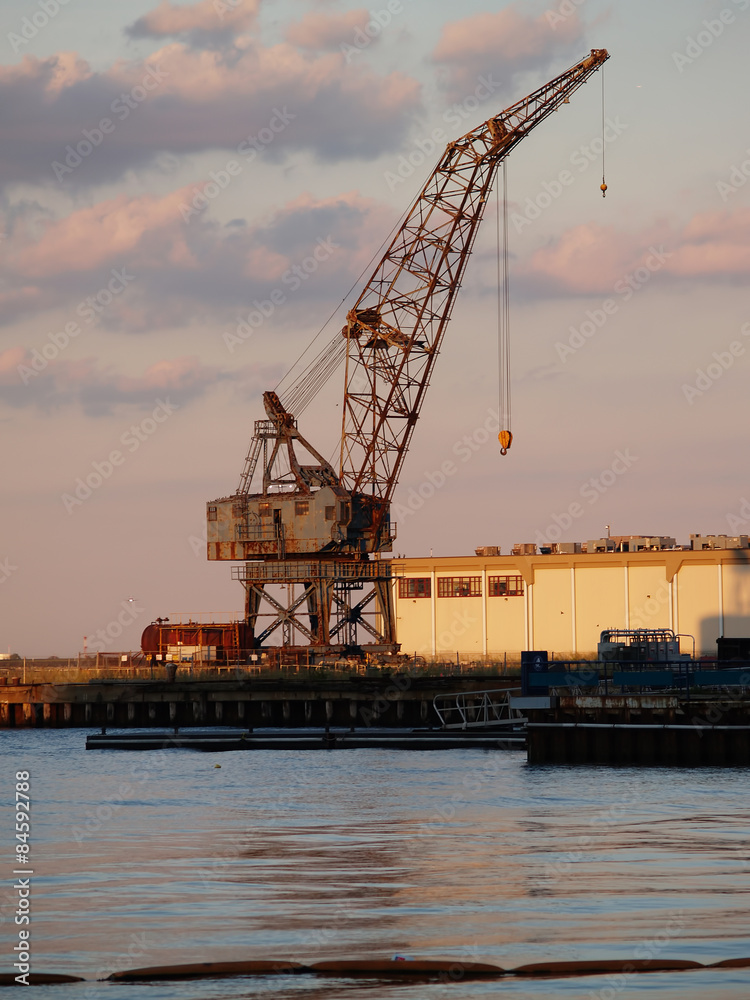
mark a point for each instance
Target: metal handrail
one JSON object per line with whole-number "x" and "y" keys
{"x": 477, "y": 709}
{"x": 295, "y": 570}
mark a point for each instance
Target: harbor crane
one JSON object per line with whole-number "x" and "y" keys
{"x": 308, "y": 538}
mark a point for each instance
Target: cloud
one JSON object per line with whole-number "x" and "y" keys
{"x": 715, "y": 245}
{"x": 176, "y": 273}
{"x": 68, "y": 126}
{"x": 109, "y": 231}
{"x": 207, "y": 23}
{"x": 327, "y": 32}
{"x": 586, "y": 259}
{"x": 28, "y": 381}
{"x": 504, "y": 44}
{"x": 592, "y": 259}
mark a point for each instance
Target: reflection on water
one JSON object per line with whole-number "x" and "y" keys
{"x": 155, "y": 858}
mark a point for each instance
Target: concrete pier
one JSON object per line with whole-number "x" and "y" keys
{"x": 394, "y": 701}
{"x": 650, "y": 729}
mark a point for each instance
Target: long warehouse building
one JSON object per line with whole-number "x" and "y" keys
{"x": 562, "y": 598}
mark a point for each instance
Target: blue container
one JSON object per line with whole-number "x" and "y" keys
{"x": 533, "y": 662}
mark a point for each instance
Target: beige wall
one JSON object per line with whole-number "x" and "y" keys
{"x": 552, "y": 601}
{"x": 505, "y": 623}
{"x": 600, "y": 602}
{"x": 569, "y": 599}
{"x": 697, "y": 603}
{"x": 736, "y": 590}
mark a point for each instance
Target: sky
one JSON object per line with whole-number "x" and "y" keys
{"x": 166, "y": 168}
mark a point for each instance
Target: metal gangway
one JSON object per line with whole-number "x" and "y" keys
{"x": 478, "y": 709}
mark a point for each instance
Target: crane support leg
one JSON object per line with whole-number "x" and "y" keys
{"x": 323, "y": 610}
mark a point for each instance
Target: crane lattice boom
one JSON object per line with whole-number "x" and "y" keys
{"x": 396, "y": 327}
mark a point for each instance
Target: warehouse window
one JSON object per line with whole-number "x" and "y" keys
{"x": 506, "y": 586}
{"x": 212, "y": 513}
{"x": 330, "y": 512}
{"x": 414, "y": 587}
{"x": 460, "y": 586}
{"x": 301, "y": 507}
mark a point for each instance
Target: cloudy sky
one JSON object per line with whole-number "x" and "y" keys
{"x": 167, "y": 168}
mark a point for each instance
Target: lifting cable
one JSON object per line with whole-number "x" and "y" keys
{"x": 604, "y": 140}
{"x": 298, "y": 394}
{"x": 505, "y": 437}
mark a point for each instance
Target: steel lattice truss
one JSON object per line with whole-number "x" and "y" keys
{"x": 395, "y": 330}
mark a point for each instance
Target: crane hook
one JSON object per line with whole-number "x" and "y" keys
{"x": 604, "y": 189}
{"x": 505, "y": 438}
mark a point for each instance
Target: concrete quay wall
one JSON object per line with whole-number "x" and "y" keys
{"x": 711, "y": 730}
{"x": 398, "y": 700}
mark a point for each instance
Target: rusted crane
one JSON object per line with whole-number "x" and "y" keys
{"x": 319, "y": 532}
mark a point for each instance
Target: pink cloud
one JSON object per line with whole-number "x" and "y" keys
{"x": 591, "y": 259}
{"x": 9, "y": 362}
{"x": 206, "y": 16}
{"x": 505, "y": 43}
{"x": 111, "y": 230}
{"x": 178, "y": 271}
{"x": 715, "y": 243}
{"x": 17, "y": 299}
{"x": 319, "y": 31}
{"x": 100, "y": 390}
{"x": 588, "y": 258}
{"x": 184, "y": 99}
{"x": 52, "y": 75}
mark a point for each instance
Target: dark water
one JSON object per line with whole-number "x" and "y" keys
{"x": 153, "y": 858}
